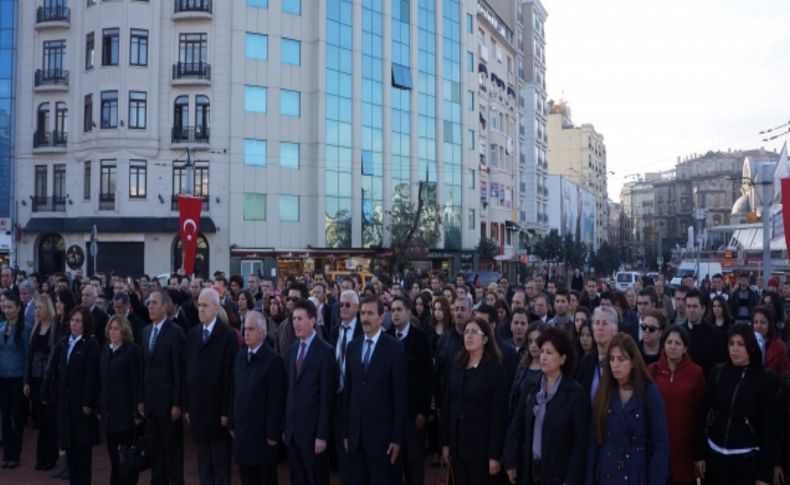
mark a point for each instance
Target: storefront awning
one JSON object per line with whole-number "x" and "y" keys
{"x": 112, "y": 224}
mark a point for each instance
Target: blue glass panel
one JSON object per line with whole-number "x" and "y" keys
{"x": 256, "y": 46}
{"x": 254, "y": 152}
{"x": 258, "y": 3}
{"x": 255, "y": 99}
{"x": 289, "y": 103}
{"x": 290, "y": 52}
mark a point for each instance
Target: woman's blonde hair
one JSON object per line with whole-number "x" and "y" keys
{"x": 126, "y": 328}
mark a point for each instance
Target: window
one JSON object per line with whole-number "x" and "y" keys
{"x": 289, "y": 208}
{"x": 254, "y": 99}
{"x": 202, "y": 106}
{"x": 471, "y": 219}
{"x": 470, "y": 139}
{"x": 470, "y": 23}
{"x": 289, "y": 102}
{"x": 137, "y": 106}
{"x": 254, "y": 207}
{"x": 87, "y": 113}
{"x": 290, "y": 52}
{"x": 181, "y": 112}
{"x": 470, "y": 100}
{"x": 470, "y": 62}
{"x": 192, "y": 50}
{"x": 86, "y": 181}
{"x": 90, "y": 50}
{"x": 471, "y": 178}
{"x": 200, "y": 183}
{"x": 41, "y": 181}
{"x": 107, "y": 179}
{"x": 293, "y": 7}
{"x": 109, "y": 109}
{"x": 255, "y": 152}
{"x": 61, "y": 120}
{"x": 138, "y": 47}
{"x": 59, "y": 183}
{"x": 256, "y": 46}
{"x": 54, "y": 53}
{"x": 109, "y": 47}
{"x": 258, "y": 3}
{"x": 401, "y": 76}
{"x": 138, "y": 177}
{"x": 289, "y": 155}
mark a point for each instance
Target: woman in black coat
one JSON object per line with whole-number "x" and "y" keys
{"x": 121, "y": 396}
{"x": 475, "y": 407}
{"x": 547, "y": 437}
{"x": 738, "y": 408}
{"x": 78, "y": 393}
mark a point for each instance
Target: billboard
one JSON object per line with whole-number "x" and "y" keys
{"x": 571, "y": 209}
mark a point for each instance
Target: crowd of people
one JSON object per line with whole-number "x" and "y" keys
{"x": 527, "y": 384}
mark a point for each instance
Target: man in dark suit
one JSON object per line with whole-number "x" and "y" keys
{"x": 120, "y": 303}
{"x": 257, "y": 401}
{"x": 189, "y": 305}
{"x": 163, "y": 377}
{"x": 375, "y": 400}
{"x": 312, "y": 383}
{"x": 341, "y": 336}
{"x": 89, "y": 295}
{"x": 210, "y": 350}
{"x": 419, "y": 377}
{"x": 174, "y": 310}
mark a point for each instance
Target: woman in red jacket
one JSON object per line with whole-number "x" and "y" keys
{"x": 774, "y": 350}
{"x": 681, "y": 383}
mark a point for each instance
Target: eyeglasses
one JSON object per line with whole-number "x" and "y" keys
{"x": 292, "y": 298}
{"x": 470, "y": 331}
{"x": 649, "y": 328}
{"x": 346, "y": 304}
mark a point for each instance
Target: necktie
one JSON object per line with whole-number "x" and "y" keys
{"x": 154, "y": 334}
{"x": 343, "y": 344}
{"x": 249, "y": 356}
{"x": 300, "y": 359}
{"x": 206, "y": 333}
{"x": 366, "y": 359}
{"x": 400, "y": 335}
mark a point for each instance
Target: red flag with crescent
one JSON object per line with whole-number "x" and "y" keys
{"x": 786, "y": 209}
{"x": 189, "y": 225}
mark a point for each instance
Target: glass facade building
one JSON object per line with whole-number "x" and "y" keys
{"x": 8, "y": 14}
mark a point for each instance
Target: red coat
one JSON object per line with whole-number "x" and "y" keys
{"x": 776, "y": 357}
{"x": 681, "y": 392}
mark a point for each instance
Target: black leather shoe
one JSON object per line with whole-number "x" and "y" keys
{"x": 60, "y": 472}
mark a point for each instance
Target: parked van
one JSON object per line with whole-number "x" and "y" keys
{"x": 625, "y": 279}
{"x": 689, "y": 267}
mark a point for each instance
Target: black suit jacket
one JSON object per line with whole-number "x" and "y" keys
{"x": 163, "y": 374}
{"x": 630, "y": 324}
{"x": 209, "y": 366}
{"x": 256, "y": 410}
{"x": 334, "y": 335}
{"x": 137, "y": 324}
{"x": 565, "y": 435}
{"x": 375, "y": 401}
{"x": 419, "y": 371}
{"x": 99, "y": 323}
{"x": 311, "y": 395}
{"x": 588, "y": 366}
{"x": 121, "y": 380}
{"x": 181, "y": 320}
{"x": 78, "y": 386}
{"x": 475, "y": 409}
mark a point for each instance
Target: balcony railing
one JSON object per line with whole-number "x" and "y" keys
{"x": 174, "y": 202}
{"x": 42, "y": 203}
{"x": 192, "y": 70}
{"x": 192, "y": 6}
{"x": 190, "y": 134}
{"x": 43, "y": 139}
{"x": 53, "y": 13}
{"x": 52, "y": 77}
{"x": 106, "y": 202}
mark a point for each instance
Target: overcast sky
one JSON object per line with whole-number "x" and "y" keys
{"x": 670, "y": 78}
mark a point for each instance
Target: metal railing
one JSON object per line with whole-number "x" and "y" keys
{"x": 192, "y": 6}
{"x": 190, "y": 134}
{"x": 51, "y": 77}
{"x": 49, "y": 139}
{"x": 107, "y": 202}
{"x": 192, "y": 70}
{"x": 42, "y": 203}
{"x": 53, "y": 13}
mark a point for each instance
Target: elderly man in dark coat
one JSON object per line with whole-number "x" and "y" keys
{"x": 257, "y": 403}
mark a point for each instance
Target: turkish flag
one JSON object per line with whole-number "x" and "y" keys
{"x": 189, "y": 225}
{"x": 786, "y": 209}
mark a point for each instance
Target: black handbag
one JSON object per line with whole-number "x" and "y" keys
{"x": 133, "y": 456}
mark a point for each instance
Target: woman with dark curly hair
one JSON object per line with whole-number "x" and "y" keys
{"x": 421, "y": 309}
{"x": 546, "y": 441}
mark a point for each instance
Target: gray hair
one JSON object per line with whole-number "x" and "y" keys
{"x": 212, "y": 294}
{"x": 352, "y": 294}
{"x": 28, "y": 286}
{"x": 258, "y": 318}
{"x": 91, "y": 289}
{"x": 610, "y": 312}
